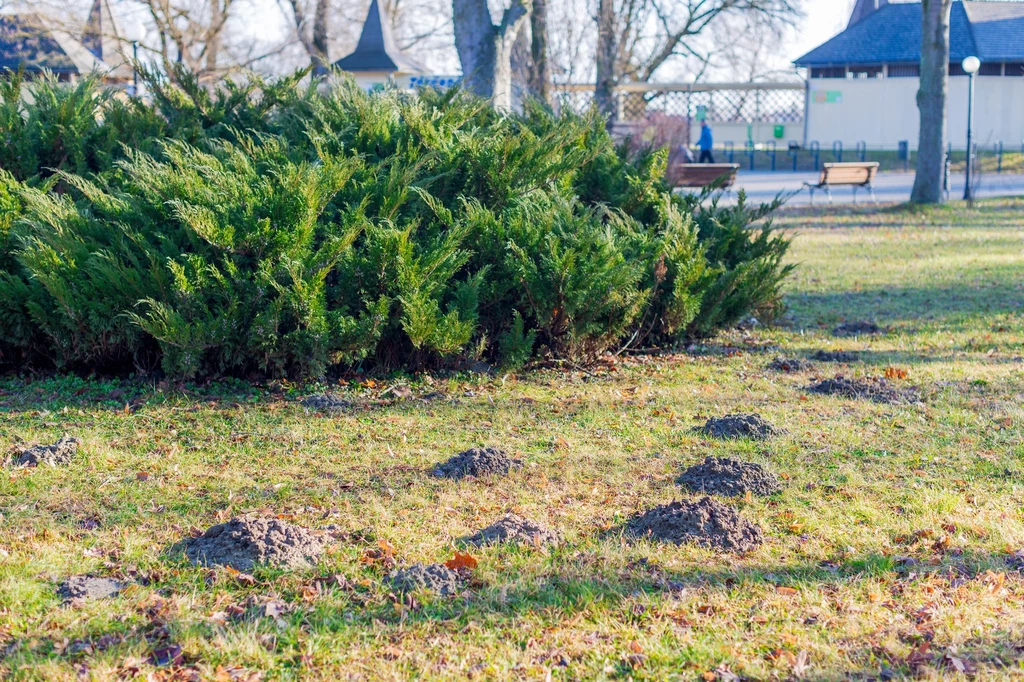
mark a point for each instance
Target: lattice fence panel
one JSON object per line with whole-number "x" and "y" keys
{"x": 725, "y": 105}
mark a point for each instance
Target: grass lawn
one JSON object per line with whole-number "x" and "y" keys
{"x": 889, "y": 552}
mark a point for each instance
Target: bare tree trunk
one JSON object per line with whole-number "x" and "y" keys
{"x": 485, "y": 50}
{"x": 604, "y": 88}
{"x": 522, "y": 67}
{"x": 540, "y": 73}
{"x": 320, "y": 57}
{"x": 212, "y": 48}
{"x": 931, "y": 101}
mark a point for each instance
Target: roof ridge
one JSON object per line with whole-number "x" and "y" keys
{"x": 970, "y": 28}
{"x": 377, "y": 49}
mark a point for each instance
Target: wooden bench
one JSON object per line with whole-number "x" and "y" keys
{"x": 701, "y": 174}
{"x": 859, "y": 175}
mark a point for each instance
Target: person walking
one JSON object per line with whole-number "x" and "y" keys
{"x": 706, "y": 143}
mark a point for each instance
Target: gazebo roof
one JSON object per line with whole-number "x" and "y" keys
{"x": 27, "y": 41}
{"x": 377, "y": 50}
{"x": 104, "y": 38}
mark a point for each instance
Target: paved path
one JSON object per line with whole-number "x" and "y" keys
{"x": 888, "y": 187}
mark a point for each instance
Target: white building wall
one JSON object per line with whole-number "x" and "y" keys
{"x": 883, "y": 111}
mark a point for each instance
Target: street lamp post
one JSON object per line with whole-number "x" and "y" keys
{"x": 971, "y": 66}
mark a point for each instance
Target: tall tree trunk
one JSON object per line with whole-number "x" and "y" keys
{"x": 321, "y": 58}
{"x": 931, "y": 101}
{"x": 540, "y": 73}
{"x": 604, "y": 88}
{"x": 485, "y": 50}
{"x": 213, "y": 37}
{"x": 522, "y": 67}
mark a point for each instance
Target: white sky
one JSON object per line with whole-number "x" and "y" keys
{"x": 823, "y": 19}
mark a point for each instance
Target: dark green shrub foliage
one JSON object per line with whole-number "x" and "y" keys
{"x": 265, "y": 229}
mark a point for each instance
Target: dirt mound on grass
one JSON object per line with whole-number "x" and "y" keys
{"x": 250, "y": 540}
{"x": 739, "y": 426}
{"x": 434, "y": 577}
{"x": 477, "y": 462}
{"x": 790, "y": 365}
{"x": 88, "y": 587}
{"x": 512, "y": 528}
{"x": 58, "y": 454}
{"x": 859, "y": 328}
{"x": 729, "y": 477}
{"x": 707, "y": 522}
{"x": 878, "y": 390}
{"x": 835, "y": 356}
{"x": 326, "y": 402}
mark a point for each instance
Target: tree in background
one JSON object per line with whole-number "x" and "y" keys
{"x": 931, "y": 101}
{"x": 312, "y": 35}
{"x": 485, "y": 48}
{"x": 540, "y": 66}
{"x": 190, "y": 33}
{"x": 636, "y": 38}
{"x": 323, "y": 27}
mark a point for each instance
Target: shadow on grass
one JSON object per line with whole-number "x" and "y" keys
{"x": 576, "y": 582}
{"x": 950, "y": 307}
{"x": 873, "y": 361}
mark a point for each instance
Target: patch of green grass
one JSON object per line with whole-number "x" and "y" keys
{"x": 888, "y": 547}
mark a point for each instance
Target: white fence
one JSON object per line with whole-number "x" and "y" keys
{"x": 668, "y": 113}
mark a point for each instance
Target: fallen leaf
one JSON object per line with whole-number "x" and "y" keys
{"x": 461, "y": 560}
{"x": 896, "y": 373}
{"x": 802, "y": 663}
{"x": 786, "y": 591}
{"x": 244, "y": 578}
{"x": 723, "y": 674}
{"x": 168, "y": 655}
{"x": 234, "y": 673}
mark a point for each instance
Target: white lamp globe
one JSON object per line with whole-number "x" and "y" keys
{"x": 971, "y": 65}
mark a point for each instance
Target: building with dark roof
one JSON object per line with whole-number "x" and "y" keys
{"x": 377, "y": 58}
{"x": 31, "y": 43}
{"x": 862, "y": 84}
{"x": 886, "y": 42}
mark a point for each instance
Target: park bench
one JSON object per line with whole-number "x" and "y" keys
{"x": 859, "y": 175}
{"x": 701, "y": 174}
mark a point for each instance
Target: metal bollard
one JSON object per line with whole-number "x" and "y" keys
{"x": 999, "y": 156}
{"x": 772, "y": 149}
{"x": 749, "y": 145}
{"x": 815, "y": 149}
{"x": 794, "y": 152}
{"x": 837, "y": 150}
{"x": 862, "y": 151}
{"x": 945, "y": 172}
{"x": 730, "y": 150}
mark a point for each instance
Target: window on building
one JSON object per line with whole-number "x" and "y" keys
{"x": 991, "y": 69}
{"x": 828, "y": 72}
{"x": 1014, "y": 69}
{"x": 956, "y": 69}
{"x": 861, "y": 71}
{"x": 904, "y": 71}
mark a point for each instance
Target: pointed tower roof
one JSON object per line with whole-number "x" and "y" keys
{"x": 105, "y": 39}
{"x": 865, "y": 7}
{"x": 377, "y": 50}
{"x": 26, "y": 40}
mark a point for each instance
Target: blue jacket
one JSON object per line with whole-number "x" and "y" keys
{"x": 707, "y": 143}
